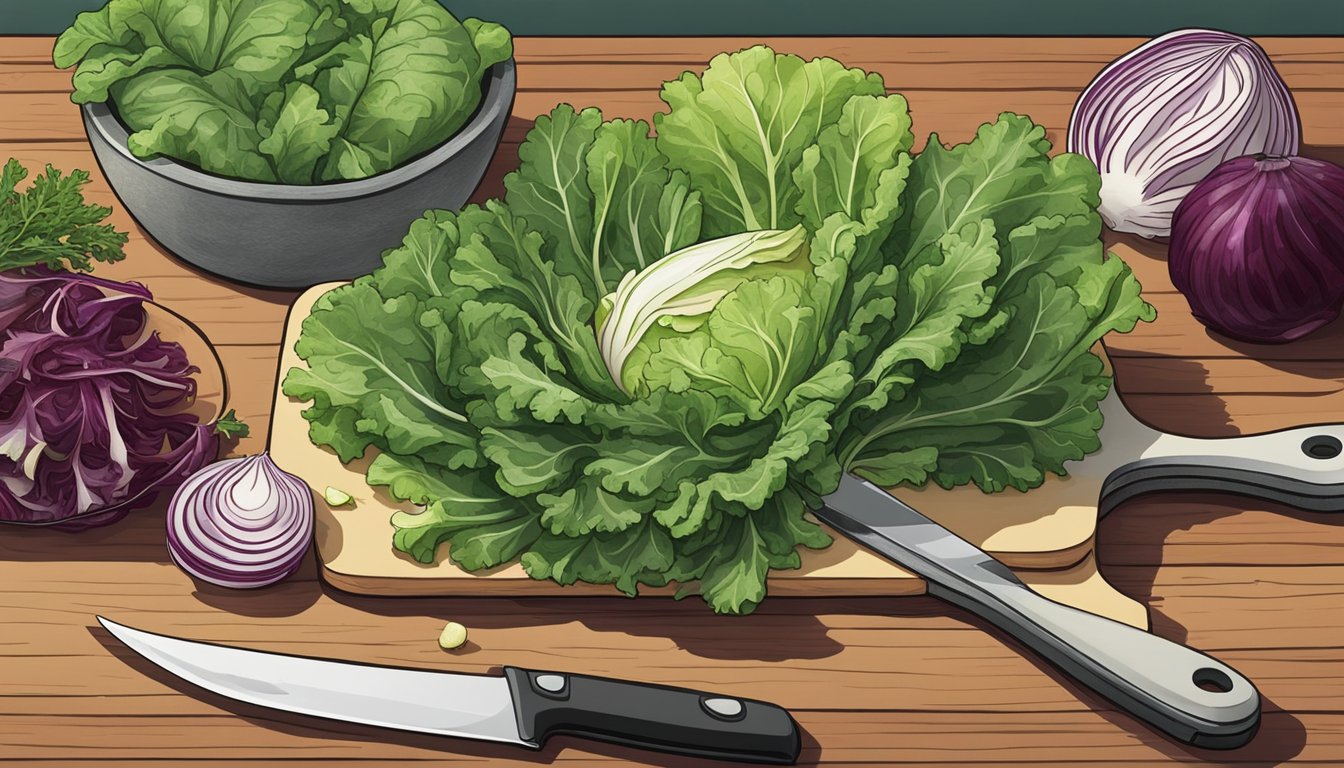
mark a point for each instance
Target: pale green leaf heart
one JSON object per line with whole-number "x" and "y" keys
{"x": 759, "y": 341}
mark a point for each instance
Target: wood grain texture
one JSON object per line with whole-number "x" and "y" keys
{"x": 873, "y": 681}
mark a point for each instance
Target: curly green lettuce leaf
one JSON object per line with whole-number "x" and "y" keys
{"x": 842, "y": 171}
{"x": 301, "y": 135}
{"x": 487, "y": 526}
{"x": 258, "y": 40}
{"x": 628, "y": 558}
{"x": 371, "y": 377}
{"x": 1009, "y": 411}
{"x": 205, "y": 120}
{"x": 421, "y": 83}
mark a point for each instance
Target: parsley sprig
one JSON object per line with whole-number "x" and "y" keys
{"x": 49, "y": 223}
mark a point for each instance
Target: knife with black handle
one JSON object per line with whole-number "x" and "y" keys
{"x": 523, "y": 707}
{"x": 1186, "y": 694}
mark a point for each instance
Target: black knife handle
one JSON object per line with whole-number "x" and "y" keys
{"x": 651, "y": 717}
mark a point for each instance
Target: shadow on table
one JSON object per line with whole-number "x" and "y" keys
{"x": 1190, "y": 406}
{"x": 287, "y": 598}
{"x": 138, "y": 537}
{"x": 689, "y": 624}
{"x": 1281, "y": 736}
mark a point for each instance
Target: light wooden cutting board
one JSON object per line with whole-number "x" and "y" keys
{"x": 1046, "y": 535}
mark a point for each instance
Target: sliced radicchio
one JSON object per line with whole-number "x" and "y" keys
{"x": 93, "y": 417}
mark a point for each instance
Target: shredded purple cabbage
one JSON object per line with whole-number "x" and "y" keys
{"x": 93, "y": 416}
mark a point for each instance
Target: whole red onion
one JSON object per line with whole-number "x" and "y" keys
{"x": 1257, "y": 247}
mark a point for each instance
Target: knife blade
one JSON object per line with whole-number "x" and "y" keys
{"x": 1184, "y": 693}
{"x": 522, "y": 707}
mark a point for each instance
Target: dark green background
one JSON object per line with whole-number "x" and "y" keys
{"x": 834, "y": 17}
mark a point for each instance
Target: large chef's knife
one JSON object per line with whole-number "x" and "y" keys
{"x": 1190, "y": 696}
{"x": 522, "y": 707}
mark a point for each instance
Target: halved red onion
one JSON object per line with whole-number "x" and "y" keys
{"x": 1163, "y": 116}
{"x": 1258, "y": 247}
{"x": 240, "y": 523}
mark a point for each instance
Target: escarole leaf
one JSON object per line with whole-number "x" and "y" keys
{"x": 659, "y": 353}
{"x": 205, "y": 120}
{"x": 372, "y": 378}
{"x": 258, "y": 39}
{"x": 1008, "y": 411}
{"x": 601, "y": 196}
{"x": 841, "y": 173}
{"x": 740, "y": 129}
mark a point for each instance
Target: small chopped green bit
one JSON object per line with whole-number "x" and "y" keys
{"x": 454, "y": 635}
{"x": 230, "y": 426}
{"x": 336, "y": 497}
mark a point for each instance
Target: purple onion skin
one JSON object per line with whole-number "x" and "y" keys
{"x": 1160, "y": 118}
{"x": 1257, "y": 247}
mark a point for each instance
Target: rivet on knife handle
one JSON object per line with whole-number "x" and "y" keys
{"x": 1183, "y": 692}
{"x": 651, "y": 717}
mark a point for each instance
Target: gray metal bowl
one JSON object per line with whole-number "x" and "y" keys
{"x": 291, "y": 236}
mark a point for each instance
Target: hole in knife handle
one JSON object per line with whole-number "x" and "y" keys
{"x": 1212, "y": 680}
{"x": 1322, "y": 447}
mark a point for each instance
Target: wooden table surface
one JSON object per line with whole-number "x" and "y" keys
{"x": 872, "y": 681}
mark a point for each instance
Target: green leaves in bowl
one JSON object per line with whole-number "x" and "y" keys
{"x": 287, "y": 91}
{"x": 652, "y": 357}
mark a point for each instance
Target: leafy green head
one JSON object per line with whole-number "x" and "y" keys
{"x": 728, "y": 316}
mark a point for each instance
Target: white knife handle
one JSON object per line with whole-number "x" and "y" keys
{"x": 1195, "y": 698}
{"x": 1301, "y": 467}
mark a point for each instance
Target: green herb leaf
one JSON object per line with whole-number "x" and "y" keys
{"x": 232, "y": 427}
{"x": 49, "y": 224}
